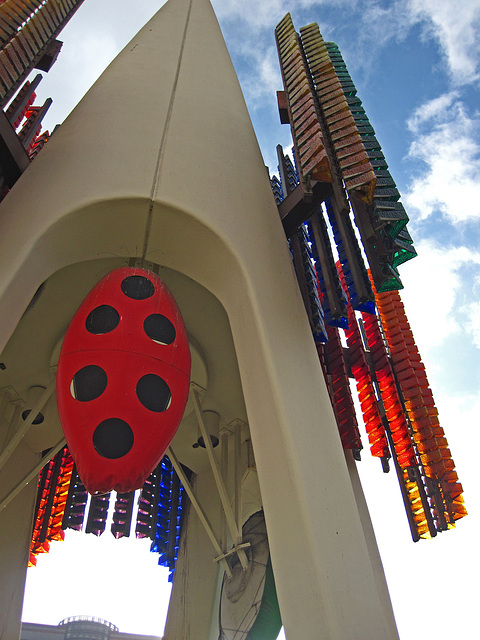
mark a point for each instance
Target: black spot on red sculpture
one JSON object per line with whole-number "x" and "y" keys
{"x": 122, "y": 380}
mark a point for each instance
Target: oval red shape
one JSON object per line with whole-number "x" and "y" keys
{"x": 123, "y": 378}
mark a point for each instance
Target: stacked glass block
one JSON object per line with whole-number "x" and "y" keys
{"x": 169, "y": 517}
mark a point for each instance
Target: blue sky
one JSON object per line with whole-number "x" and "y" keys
{"x": 416, "y": 66}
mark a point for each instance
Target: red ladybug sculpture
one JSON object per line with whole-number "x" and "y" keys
{"x": 123, "y": 379}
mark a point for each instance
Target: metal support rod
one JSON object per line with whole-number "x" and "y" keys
{"x": 440, "y": 504}
{"x": 224, "y": 437}
{"x": 399, "y": 471}
{"x": 172, "y": 529}
{"x": 27, "y": 423}
{"x": 4, "y": 403}
{"x": 238, "y": 477}
{"x": 9, "y": 430}
{"x": 227, "y": 507}
{"x": 53, "y": 480}
{"x": 424, "y": 499}
{"x": 282, "y": 168}
{"x": 420, "y": 475}
{"x": 386, "y": 425}
{"x": 244, "y": 545}
{"x": 196, "y": 505}
{"x": 30, "y": 128}
{"x": 32, "y": 474}
{"x": 154, "y": 503}
{"x": 23, "y": 96}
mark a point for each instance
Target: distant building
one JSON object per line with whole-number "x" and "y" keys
{"x": 78, "y": 628}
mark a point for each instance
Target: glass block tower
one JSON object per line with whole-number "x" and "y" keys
{"x": 343, "y": 180}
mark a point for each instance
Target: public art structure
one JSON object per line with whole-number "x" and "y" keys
{"x": 260, "y": 479}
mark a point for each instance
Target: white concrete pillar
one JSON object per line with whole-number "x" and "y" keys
{"x": 16, "y": 521}
{"x": 191, "y": 612}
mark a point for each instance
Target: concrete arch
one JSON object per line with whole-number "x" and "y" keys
{"x": 111, "y": 227}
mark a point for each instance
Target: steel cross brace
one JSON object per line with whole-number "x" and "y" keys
{"x": 26, "y": 424}
{"x": 200, "y": 512}
{"x": 235, "y": 530}
{"x": 32, "y": 474}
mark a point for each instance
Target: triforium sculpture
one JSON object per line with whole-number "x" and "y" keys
{"x": 185, "y": 195}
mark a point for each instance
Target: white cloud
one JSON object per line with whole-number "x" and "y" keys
{"x": 436, "y": 108}
{"x": 258, "y": 15}
{"x": 261, "y": 77}
{"x": 267, "y": 13}
{"x": 472, "y": 325}
{"x": 450, "y": 149}
{"x": 456, "y": 26}
{"x": 382, "y": 23}
{"x": 435, "y": 293}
